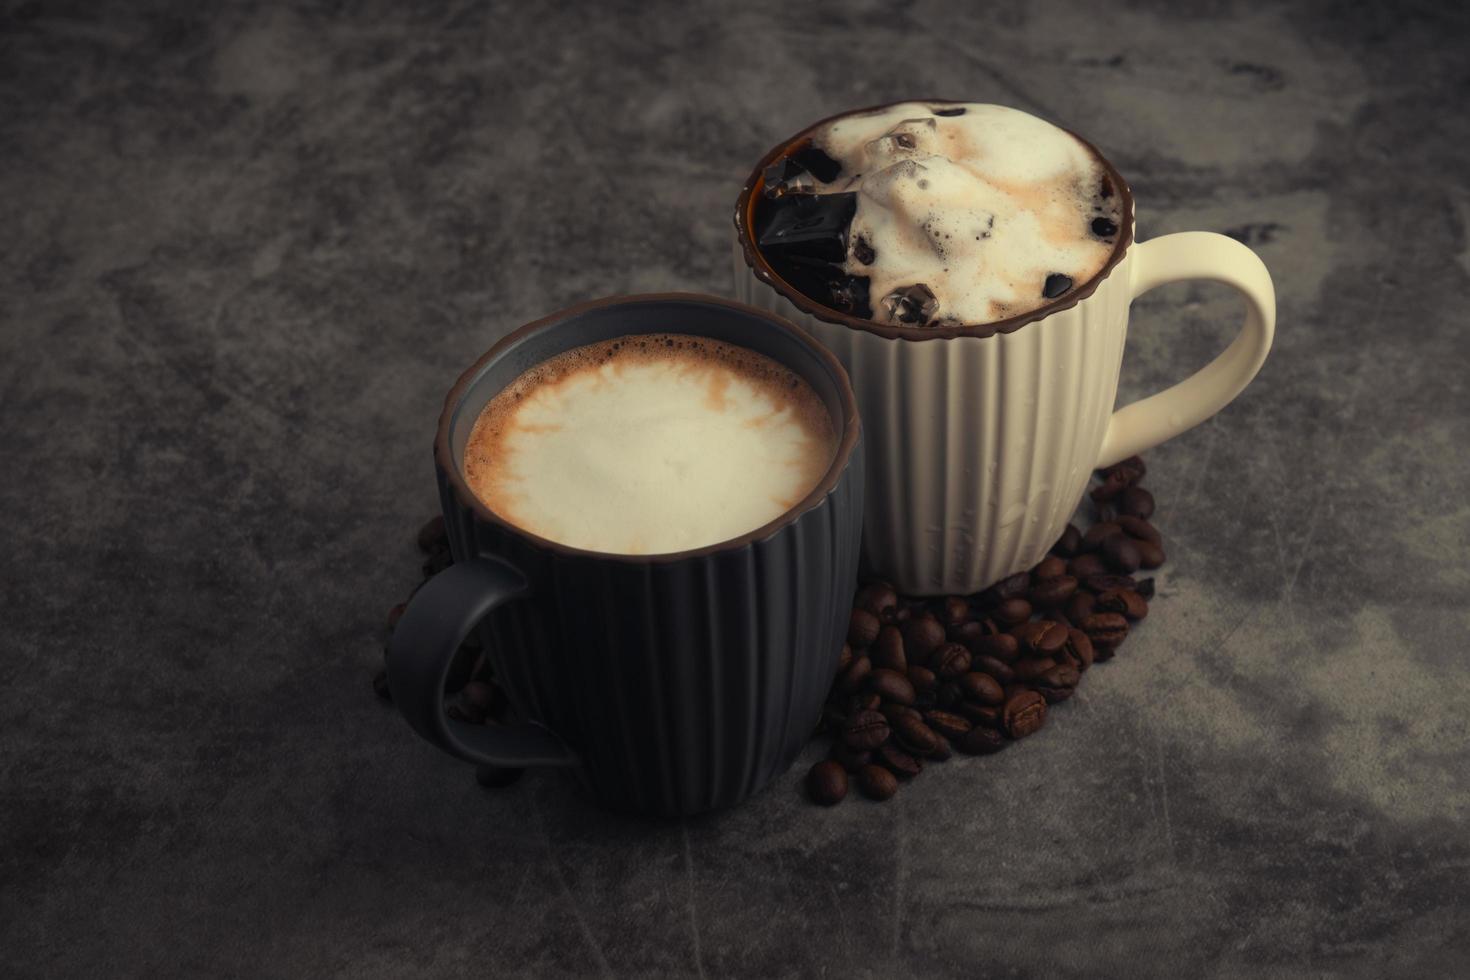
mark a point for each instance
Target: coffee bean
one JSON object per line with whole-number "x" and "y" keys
{"x": 1130, "y": 469}
{"x": 1024, "y": 713}
{"x": 1105, "y": 583}
{"x": 1098, "y": 534}
{"x": 947, "y": 723}
{"x": 877, "y": 783}
{"x": 497, "y": 777}
{"x": 1030, "y": 668}
{"x": 1041, "y": 638}
{"x": 1002, "y": 646}
{"x": 1140, "y": 530}
{"x": 1012, "y": 586}
{"x": 982, "y": 688}
{"x": 1136, "y": 502}
{"x": 914, "y": 735}
{"x": 850, "y": 759}
{"x": 901, "y": 615}
{"x": 395, "y": 614}
{"x": 980, "y": 740}
{"x": 922, "y": 678}
{"x": 921, "y": 637}
{"x": 1079, "y": 607}
{"x": 890, "y": 685}
{"x": 852, "y": 678}
{"x": 1125, "y": 601}
{"x": 432, "y": 535}
{"x": 981, "y": 714}
{"x": 966, "y": 633}
{"x": 1011, "y": 612}
{"x": 866, "y": 730}
{"x": 1084, "y": 567}
{"x": 1145, "y": 588}
{"x": 1150, "y": 555}
{"x": 1108, "y": 489}
{"x": 893, "y": 712}
{"x": 948, "y": 694}
{"x": 862, "y": 628}
{"x": 826, "y": 783}
{"x": 950, "y": 660}
{"x": 877, "y": 598}
{"x": 1048, "y": 568}
{"x": 438, "y": 560}
{"x": 1068, "y": 543}
{"x": 1062, "y": 675}
{"x": 956, "y": 610}
{"x": 887, "y": 650}
{"x": 1078, "y": 649}
{"x": 1105, "y": 630}
{"x": 942, "y": 750}
{"x": 380, "y": 685}
{"x": 1056, "y": 695}
{"x": 900, "y": 763}
{"x": 1122, "y": 553}
{"x": 1053, "y": 591}
{"x": 478, "y": 697}
{"x": 999, "y": 669}
{"x": 867, "y": 701}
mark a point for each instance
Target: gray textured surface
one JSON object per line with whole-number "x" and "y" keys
{"x": 245, "y": 254}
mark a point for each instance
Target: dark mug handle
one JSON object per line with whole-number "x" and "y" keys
{"x": 438, "y": 618}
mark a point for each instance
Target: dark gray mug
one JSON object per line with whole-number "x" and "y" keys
{"x": 674, "y": 683}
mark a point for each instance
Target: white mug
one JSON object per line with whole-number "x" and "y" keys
{"x": 981, "y": 439}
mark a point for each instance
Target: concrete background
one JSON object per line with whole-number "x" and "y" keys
{"x": 245, "y": 252}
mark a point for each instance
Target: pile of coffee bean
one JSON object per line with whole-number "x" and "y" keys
{"x": 921, "y": 679}
{"x": 470, "y": 692}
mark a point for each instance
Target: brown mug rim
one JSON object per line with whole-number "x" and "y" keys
{"x": 842, "y": 457}
{"x": 761, "y": 269}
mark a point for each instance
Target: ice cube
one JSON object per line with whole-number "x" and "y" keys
{"x": 914, "y": 305}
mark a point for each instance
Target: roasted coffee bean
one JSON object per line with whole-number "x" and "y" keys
{"x": 1099, "y": 584}
{"x": 1136, "y": 502}
{"x": 850, "y": 759}
{"x": 950, "y": 660}
{"x": 1084, "y": 567}
{"x": 1012, "y": 586}
{"x": 497, "y": 777}
{"x": 955, "y": 610}
{"x": 1056, "y": 695}
{"x": 1079, "y": 607}
{"x": 1122, "y": 553}
{"x": 1105, "y": 630}
{"x": 866, "y": 730}
{"x": 826, "y": 783}
{"x": 1124, "y": 601}
{"x": 1140, "y": 530}
{"x": 478, "y": 697}
{"x": 1002, "y": 646}
{"x": 947, "y": 723}
{"x": 893, "y": 712}
{"x": 890, "y": 685}
{"x": 844, "y": 658}
{"x": 877, "y": 598}
{"x": 868, "y": 701}
{"x": 924, "y": 700}
{"x": 921, "y": 637}
{"x": 981, "y": 688}
{"x": 1150, "y": 555}
{"x": 1108, "y": 489}
{"x": 395, "y": 614}
{"x": 900, "y": 763}
{"x": 1145, "y": 588}
{"x": 1131, "y": 469}
{"x": 1098, "y": 534}
{"x": 380, "y": 685}
{"x": 922, "y": 678}
{"x": 1068, "y": 543}
{"x": 942, "y": 750}
{"x": 1052, "y": 592}
{"x": 1011, "y": 612}
{"x": 980, "y": 740}
{"x": 877, "y": 783}
{"x": 432, "y": 535}
{"x": 438, "y": 560}
{"x": 887, "y": 650}
{"x": 915, "y": 735}
{"x": 1048, "y": 568}
{"x": 1042, "y": 637}
{"x": 862, "y": 628}
{"x": 1062, "y": 675}
{"x": 901, "y": 615}
{"x": 852, "y": 678}
{"x": 980, "y": 714}
{"x": 999, "y": 669}
{"x": 1030, "y": 668}
{"x": 966, "y": 633}
{"x": 948, "y": 694}
{"x": 1078, "y": 648}
{"x": 1024, "y": 713}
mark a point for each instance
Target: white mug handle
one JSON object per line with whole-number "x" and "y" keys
{"x": 1195, "y": 255}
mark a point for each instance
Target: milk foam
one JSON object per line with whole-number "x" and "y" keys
{"x": 649, "y": 444}
{"x": 979, "y": 207}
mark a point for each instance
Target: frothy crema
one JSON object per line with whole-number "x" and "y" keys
{"x": 649, "y": 444}
{"x": 989, "y": 211}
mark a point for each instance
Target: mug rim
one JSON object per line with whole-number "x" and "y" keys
{"x": 757, "y": 265}
{"x": 847, "y": 441}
